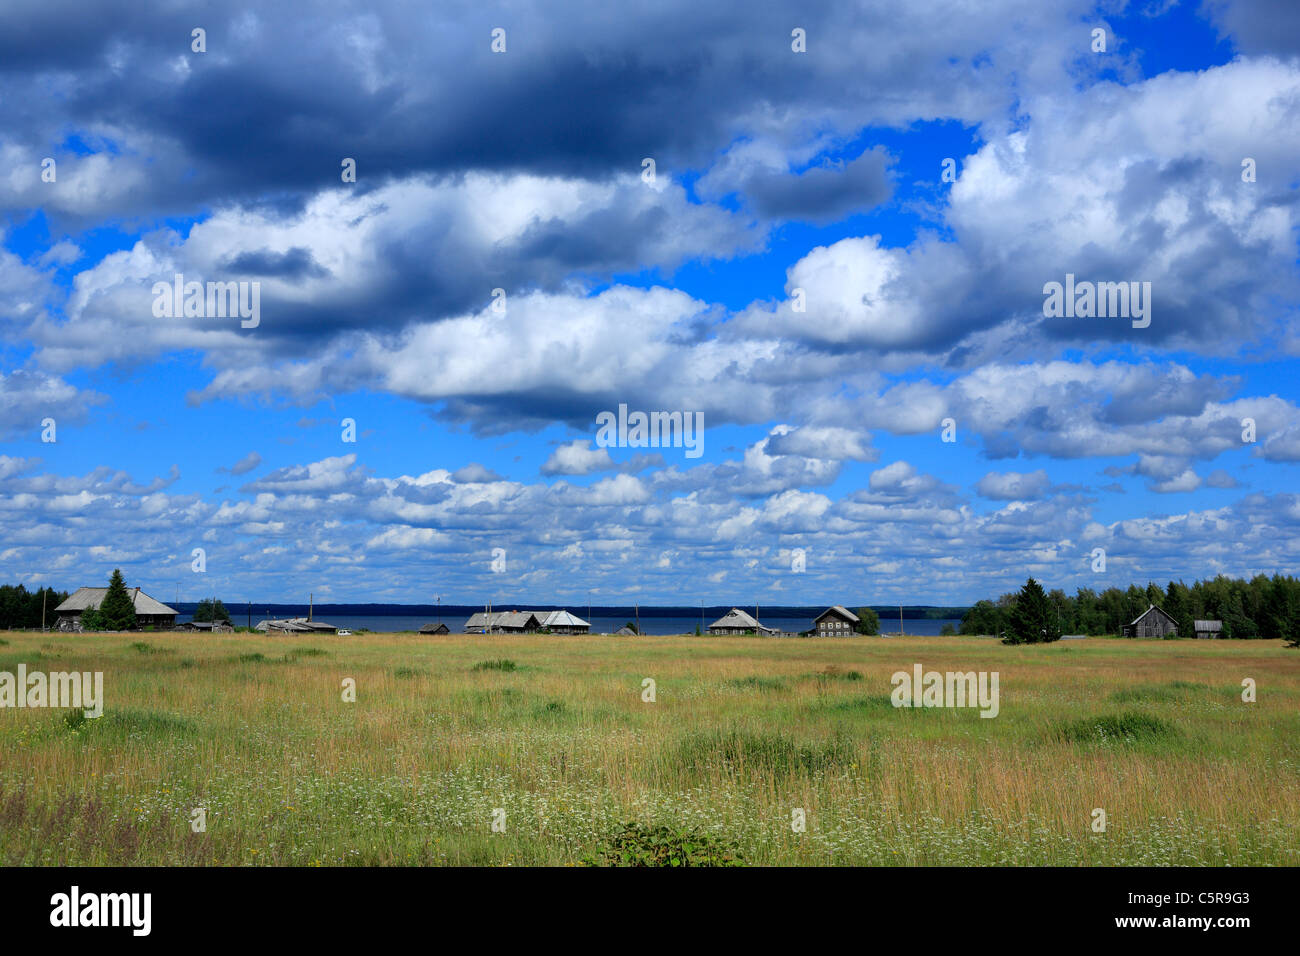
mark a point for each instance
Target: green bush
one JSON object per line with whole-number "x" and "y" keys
{"x": 1130, "y": 726}
{"x": 501, "y": 664}
{"x": 639, "y": 845}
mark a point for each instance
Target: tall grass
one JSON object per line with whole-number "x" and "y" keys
{"x": 554, "y": 730}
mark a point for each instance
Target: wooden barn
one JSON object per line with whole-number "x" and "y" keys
{"x": 837, "y": 621}
{"x": 1208, "y": 629}
{"x": 435, "y": 629}
{"x": 1153, "y": 622}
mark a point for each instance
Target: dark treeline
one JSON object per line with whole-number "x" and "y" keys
{"x": 1261, "y": 607}
{"x": 20, "y": 607}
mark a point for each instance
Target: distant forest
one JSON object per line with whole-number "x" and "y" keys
{"x": 20, "y": 607}
{"x": 1262, "y": 607}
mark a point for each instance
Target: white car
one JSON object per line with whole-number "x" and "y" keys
{"x": 345, "y": 633}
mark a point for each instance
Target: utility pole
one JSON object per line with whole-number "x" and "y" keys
{"x": 45, "y": 596}
{"x": 900, "y": 620}
{"x": 638, "y": 620}
{"x": 250, "y": 615}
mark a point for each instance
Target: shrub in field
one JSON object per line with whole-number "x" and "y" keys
{"x": 774, "y": 753}
{"x": 254, "y": 658}
{"x": 309, "y": 652}
{"x": 501, "y": 664}
{"x": 1130, "y": 726}
{"x": 639, "y": 845}
{"x": 410, "y": 672}
{"x": 757, "y": 683}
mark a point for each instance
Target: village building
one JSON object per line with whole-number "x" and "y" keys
{"x": 625, "y": 631}
{"x": 435, "y": 629}
{"x": 1208, "y": 629}
{"x": 207, "y": 627}
{"x": 737, "y": 621}
{"x": 837, "y": 621}
{"x": 148, "y": 612}
{"x": 1153, "y": 622}
{"x": 562, "y": 622}
{"x": 296, "y": 625}
{"x": 503, "y": 622}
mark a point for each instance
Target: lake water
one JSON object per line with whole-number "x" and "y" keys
{"x": 388, "y": 623}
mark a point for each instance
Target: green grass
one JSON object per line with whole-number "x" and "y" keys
{"x": 554, "y": 731}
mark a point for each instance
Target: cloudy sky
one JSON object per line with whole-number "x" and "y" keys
{"x": 798, "y": 269}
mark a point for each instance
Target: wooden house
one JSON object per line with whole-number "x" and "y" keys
{"x": 1153, "y": 622}
{"x": 562, "y": 622}
{"x": 737, "y": 621}
{"x": 837, "y": 621}
{"x": 148, "y": 612}
{"x": 435, "y": 629}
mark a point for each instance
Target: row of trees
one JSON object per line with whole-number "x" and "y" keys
{"x": 20, "y": 607}
{"x": 1262, "y": 607}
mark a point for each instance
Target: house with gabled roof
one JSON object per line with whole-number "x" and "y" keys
{"x": 148, "y": 611}
{"x": 503, "y": 622}
{"x": 1153, "y": 622}
{"x": 837, "y": 621}
{"x": 562, "y": 622}
{"x": 737, "y": 621}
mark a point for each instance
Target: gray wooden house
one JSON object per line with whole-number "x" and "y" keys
{"x": 837, "y": 621}
{"x": 737, "y": 621}
{"x": 148, "y": 612}
{"x": 1153, "y": 622}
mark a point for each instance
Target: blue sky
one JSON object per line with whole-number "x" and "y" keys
{"x": 779, "y": 175}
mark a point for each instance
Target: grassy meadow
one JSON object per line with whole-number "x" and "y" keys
{"x": 743, "y": 731}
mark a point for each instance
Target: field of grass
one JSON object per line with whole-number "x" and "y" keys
{"x": 554, "y": 731}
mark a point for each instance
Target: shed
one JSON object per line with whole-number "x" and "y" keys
{"x": 435, "y": 629}
{"x": 1208, "y": 629}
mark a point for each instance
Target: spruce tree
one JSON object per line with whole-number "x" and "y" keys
{"x": 1033, "y": 619}
{"x": 117, "y": 610}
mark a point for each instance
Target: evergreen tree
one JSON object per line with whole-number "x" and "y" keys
{"x": 1033, "y": 619}
{"x": 117, "y": 610}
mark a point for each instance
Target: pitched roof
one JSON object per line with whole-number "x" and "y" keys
{"x": 1148, "y": 611}
{"x": 434, "y": 629}
{"x": 738, "y": 618}
{"x": 83, "y": 599}
{"x": 560, "y": 619}
{"x": 840, "y": 610}
{"x": 518, "y": 619}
